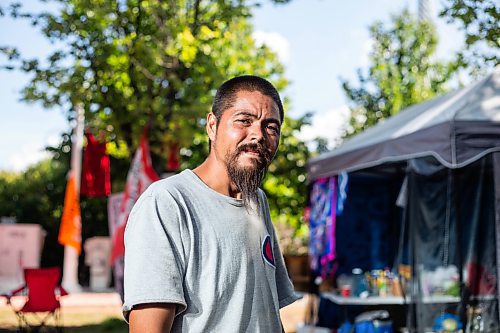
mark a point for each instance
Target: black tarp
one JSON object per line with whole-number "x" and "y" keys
{"x": 451, "y": 217}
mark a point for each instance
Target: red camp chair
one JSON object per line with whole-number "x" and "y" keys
{"x": 43, "y": 292}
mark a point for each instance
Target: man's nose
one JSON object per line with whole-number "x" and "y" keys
{"x": 256, "y": 132}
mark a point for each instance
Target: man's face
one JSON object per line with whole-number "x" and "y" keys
{"x": 247, "y": 135}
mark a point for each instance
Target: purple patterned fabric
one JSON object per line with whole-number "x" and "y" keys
{"x": 322, "y": 226}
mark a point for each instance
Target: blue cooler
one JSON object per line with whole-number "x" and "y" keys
{"x": 373, "y": 322}
{"x": 345, "y": 328}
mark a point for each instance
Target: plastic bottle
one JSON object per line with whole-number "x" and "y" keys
{"x": 362, "y": 288}
{"x": 477, "y": 323}
{"x": 356, "y": 279}
{"x": 382, "y": 284}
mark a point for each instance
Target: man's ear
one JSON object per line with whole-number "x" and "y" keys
{"x": 211, "y": 126}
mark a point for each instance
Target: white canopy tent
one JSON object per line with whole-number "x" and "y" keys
{"x": 457, "y": 129}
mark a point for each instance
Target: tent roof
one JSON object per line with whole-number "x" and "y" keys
{"x": 444, "y": 127}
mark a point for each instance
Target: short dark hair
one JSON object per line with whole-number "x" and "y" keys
{"x": 225, "y": 96}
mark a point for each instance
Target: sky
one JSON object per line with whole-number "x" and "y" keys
{"x": 319, "y": 42}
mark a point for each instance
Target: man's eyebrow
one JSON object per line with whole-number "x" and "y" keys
{"x": 245, "y": 113}
{"x": 253, "y": 115}
{"x": 273, "y": 121}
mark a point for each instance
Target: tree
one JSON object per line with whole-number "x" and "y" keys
{"x": 135, "y": 62}
{"x": 479, "y": 19}
{"x": 402, "y": 72}
{"x": 36, "y": 196}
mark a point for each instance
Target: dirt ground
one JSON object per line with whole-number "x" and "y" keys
{"x": 101, "y": 312}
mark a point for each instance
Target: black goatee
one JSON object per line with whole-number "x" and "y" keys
{"x": 248, "y": 179}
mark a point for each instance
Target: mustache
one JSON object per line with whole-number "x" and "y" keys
{"x": 257, "y": 147}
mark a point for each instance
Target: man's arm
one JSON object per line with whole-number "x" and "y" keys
{"x": 152, "y": 318}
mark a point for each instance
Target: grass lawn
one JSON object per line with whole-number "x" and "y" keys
{"x": 81, "y": 317}
{"x": 75, "y": 320}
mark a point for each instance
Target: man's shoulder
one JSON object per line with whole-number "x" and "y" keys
{"x": 168, "y": 189}
{"x": 166, "y": 193}
{"x": 172, "y": 183}
{"x": 262, "y": 196}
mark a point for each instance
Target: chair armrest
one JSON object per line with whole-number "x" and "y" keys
{"x": 17, "y": 291}
{"x": 62, "y": 291}
{"x": 14, "y": 292}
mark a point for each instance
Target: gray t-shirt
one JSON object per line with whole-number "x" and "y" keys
{"x": 218, "y": 261}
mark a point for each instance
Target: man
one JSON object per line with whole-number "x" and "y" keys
{"x": 201, "y": 253}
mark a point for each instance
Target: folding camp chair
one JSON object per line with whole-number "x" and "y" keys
{"x": 42, "y": 303}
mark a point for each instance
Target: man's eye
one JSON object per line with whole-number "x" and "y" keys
{"x": 274, "y": 129}
{"x": 244, "y": 121}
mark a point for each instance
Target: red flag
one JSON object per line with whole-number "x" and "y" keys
{"x": 70, "y": 230}
{"x": 95, "y": 171}
{"x": 139, "y": 177}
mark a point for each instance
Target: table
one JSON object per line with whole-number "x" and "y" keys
{"x": 387, "y": 300}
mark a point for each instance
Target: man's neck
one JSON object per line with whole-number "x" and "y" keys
{"x": 214, "y": 174}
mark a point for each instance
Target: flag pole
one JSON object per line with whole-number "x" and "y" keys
{"x": 70, "y": 266}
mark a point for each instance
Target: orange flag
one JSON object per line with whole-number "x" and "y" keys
{"x": 70, "y": 231}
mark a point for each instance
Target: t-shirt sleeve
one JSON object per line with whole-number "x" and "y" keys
{"x": 154, "y": 257}
{"x": 286, "y": 293}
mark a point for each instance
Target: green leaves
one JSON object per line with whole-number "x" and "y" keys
{"x": 136, "y": 62}
{"x": 402, "y": 72}
{"x": 479, "y": 20}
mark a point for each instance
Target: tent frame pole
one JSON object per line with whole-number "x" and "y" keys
{"x": 496, "y": 177}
